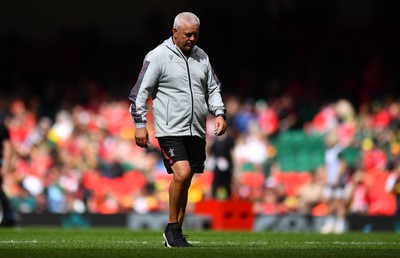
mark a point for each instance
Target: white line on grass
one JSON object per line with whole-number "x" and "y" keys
{"x": 62, "y": 241}
{"x": 215, "y": 243}
{"x": 350, "y": 243}
{"x": 19, "y": 242}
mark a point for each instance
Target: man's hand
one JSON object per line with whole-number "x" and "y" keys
{"x": 219, "y": 125}
{"x": 142, "y": 137}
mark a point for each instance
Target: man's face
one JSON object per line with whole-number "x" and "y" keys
{"x": 186, "y": 37}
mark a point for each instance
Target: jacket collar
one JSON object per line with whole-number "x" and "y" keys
{"x": 170, "y": 44}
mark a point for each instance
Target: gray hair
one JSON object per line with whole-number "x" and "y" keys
{"x": 188, "y": 17}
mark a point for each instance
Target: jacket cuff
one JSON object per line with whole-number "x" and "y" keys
{"x": 219, "y": 112}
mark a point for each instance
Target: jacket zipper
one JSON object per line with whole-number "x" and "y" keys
{"x": 191, "y": 97}
{"x": 167, "y": 112}
{"x": 190, "y": 88}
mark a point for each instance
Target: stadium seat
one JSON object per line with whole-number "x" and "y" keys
{"x": 252, "y": 179}
{"x": 293, "y": 181}
{"x": 380, "y": 202}
{"x": 298, "y": 152}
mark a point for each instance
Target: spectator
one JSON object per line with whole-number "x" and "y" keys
{"x": 358, "y": 193}
{"x": 221, "y": 154}
{"x": 7, "y": 217}
{"x": 393, "y": 186}
{"x": 310, "y": 195}
{"x": 269, "y": 204}
{"x": 333, "y": 192}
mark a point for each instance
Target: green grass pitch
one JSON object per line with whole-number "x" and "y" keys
{"x": 120, "y": 242}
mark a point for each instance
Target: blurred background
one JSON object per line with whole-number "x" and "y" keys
{"x": 298, "y": 77}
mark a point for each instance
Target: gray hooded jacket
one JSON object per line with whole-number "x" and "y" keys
{"x": 183, "y": 90}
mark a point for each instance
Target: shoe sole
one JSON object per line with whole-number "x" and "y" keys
{"x": 168, "y": 245}
{"x": 165, "y": 241}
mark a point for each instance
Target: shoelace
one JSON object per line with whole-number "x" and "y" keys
{"x": 177, "y": 234}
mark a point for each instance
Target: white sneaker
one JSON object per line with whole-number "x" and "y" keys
{"x": 328, "y": 226}
{"x": 340, "y": 226}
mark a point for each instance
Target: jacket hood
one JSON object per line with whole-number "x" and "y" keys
{"x": 168, "y": 42}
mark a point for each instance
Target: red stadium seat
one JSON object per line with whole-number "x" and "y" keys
{"x": 252, "y": 179}
{"x": 380, "y": 202}
{"x": 293, "y": 181}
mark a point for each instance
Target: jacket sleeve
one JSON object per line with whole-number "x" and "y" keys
{"x": 215, "y": 103}
{"x": 142, "y": 90}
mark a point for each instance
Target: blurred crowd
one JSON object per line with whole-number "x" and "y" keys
{"x": 313, "y": 119}
{"x": 85, "y": 160}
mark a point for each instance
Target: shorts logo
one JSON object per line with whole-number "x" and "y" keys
{"x": 171, "y": 152}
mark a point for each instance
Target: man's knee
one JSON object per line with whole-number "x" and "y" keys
{"x": 182, "y": 172}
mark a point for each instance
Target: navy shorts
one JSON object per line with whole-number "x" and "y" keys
{"x": 190, "y": 148}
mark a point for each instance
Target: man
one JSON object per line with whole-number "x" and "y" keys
{"x": 221, "y": 151}
{"x": 334, "y": 193}
{"x": 178, "y": 76}
{"x": 6, "y": 214}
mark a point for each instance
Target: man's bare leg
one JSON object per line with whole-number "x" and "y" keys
{"x": 178, "y": 191}
{"x": 178, "y": 196}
